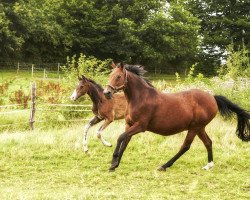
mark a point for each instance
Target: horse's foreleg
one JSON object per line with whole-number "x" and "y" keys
{"x": 92, "y": 122}
{"x": 208, "y": 144}
{"x": 122, "y": 143}
{"x": 185, "y": 147}
{"x": 105, "y": 125}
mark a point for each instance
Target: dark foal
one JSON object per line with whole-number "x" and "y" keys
{"x": 168, "y": 114}
{"x": 103, "y": 109}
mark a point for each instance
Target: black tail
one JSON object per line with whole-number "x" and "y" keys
{"x": 227, "y": 108}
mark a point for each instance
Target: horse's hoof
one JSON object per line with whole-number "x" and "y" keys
{"x": 85, "y": 150}
{"x": 162, "y": 169}
{"x": 108, "y": 144}
{"x": 111, "y": 169}
{"x": 208, "y": 166}
{"x": 114, "y": 165}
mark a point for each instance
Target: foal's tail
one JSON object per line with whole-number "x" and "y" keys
{"x": 227, "y": 108}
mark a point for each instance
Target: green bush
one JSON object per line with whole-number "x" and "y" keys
{"x": 90, "y": 67}
{"x": 237, "y": 63}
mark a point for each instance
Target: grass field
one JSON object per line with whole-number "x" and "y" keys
{"x": 51, "y": 165}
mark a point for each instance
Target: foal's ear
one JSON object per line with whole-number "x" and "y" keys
{"x": 84, "y": 78}
{"x": 113, "y": 65}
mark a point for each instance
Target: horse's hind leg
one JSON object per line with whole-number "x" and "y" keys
{"x": 105, "y": 125}
{"x": 185, "y": 147}
{"x": 92, "y": 122}
{"x": 208, "y": 144}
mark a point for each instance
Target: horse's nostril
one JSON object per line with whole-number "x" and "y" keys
{"x": 107, "y": 92}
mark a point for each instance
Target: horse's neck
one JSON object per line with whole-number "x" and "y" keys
{"x": 94, "y": 94}
{"x": 136, "y": 88}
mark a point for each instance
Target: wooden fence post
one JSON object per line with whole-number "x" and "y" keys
{"x": 58, "y": 70}
{"x": 44, "y": 73}
{"x": 32, "y": 70}
{"x": 33, "y": 105}
{"x": 18, "y": 66}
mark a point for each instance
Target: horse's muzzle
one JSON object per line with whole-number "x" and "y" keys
{"x": 73, "y": 97}
{"x": 107, "y": 94}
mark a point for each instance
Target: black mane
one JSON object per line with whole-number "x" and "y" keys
{"x": 139, "y": 71}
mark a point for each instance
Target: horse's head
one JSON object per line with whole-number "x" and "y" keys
{"x": 81, "y": 89}
{"x": 117, "y": 80}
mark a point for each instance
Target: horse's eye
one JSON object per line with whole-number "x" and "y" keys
{"x": 81, "y": 86}
{"x": 118, "y": 77}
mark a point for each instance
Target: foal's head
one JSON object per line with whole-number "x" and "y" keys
{"x": 117, "y": 80}
{"x": 81, "y": 89}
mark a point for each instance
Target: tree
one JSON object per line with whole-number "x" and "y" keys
{"x": 222, "y": 22}
{"x": 149, "y": 32}
{"x": 9, "y": 39}
{"x": 44, "y": 37}
{"x": 167, "y": 37}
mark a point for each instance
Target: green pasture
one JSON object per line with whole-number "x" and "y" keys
{"x": 51, "y": 165}
{"x": 48, "y": 163}
{"x": 54, "y": 88}
{"x": 27, "y": 74}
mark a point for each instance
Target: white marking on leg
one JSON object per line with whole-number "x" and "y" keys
{"x": 208, "y": 166}
{"x": 106, "y": 143}
{"x": 73, "y": 96}
{"x": 85, "y": 142}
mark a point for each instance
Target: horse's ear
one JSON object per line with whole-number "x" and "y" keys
{"x": 121, "y": 65}
{"x": 84, "y": 78}
{"x": 113, "y": 65}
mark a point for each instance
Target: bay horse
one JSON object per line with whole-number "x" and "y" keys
{"x": 168, "y": 114}
{"x": 103, "y": 109}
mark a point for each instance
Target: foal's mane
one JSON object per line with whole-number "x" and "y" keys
{"x": 139, "y": 71}
{"x": 99, "y": 87}
{"x": 96, "y": 84}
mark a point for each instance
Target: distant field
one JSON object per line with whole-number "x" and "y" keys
{"x": 51, "y": 89}
{"x": 7, "y": 74}
{"x": 53, "y": 74}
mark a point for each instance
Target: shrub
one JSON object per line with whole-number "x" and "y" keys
{"x": 237, "y": 63}
{"x": 90, "y": 67}
{"x": 20, "y": 98}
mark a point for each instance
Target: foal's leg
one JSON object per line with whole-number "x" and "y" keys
{"x": 105, "y": 125}
{"x": 185, "y": 147}
{"x": 208, "y": 144}
{"x": 92, "y": 122}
